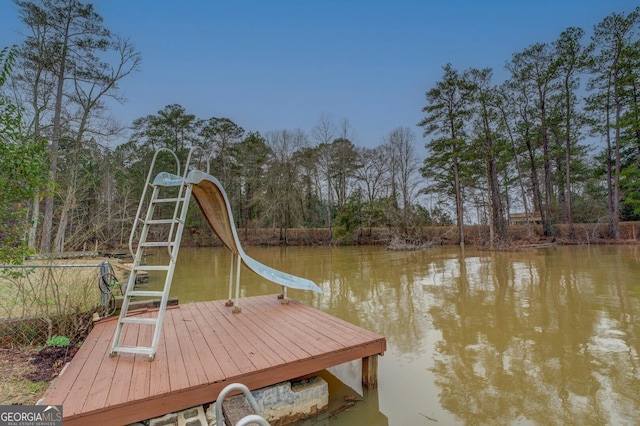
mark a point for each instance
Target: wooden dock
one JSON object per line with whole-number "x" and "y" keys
{"x": 204, "y": 348}
{"x": 141, "y": 276}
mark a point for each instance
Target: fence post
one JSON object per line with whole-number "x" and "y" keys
{"x": 104, "y": 277}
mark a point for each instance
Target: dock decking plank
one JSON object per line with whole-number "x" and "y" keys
{"x": 206, "y": 357}
{"x": 310, "y": 344}
{"x": 278, "y": 349}
{"x": 185, "y": 327}
{"x": 239, "y": 358}
{"x": 344, "y": 336}
{"x": 141, "y": 376}
{"x": 338, "y": 323}
{"x": 105, "y": 367}
{"x": 121, "y": 379}
{"x": 274, "y": 333}
{"x": 246, "y": 340}
{"x": 208, "y": 330}
{"x": 177, "y": 367}
{"x": 203, "y": 347}
{"x": 159, "y": 370}
{"x": 286, "y": 328}
{"x": 90, "y": 349}
{"x": 84, "y": 383}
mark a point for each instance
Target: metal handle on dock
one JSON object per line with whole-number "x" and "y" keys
{"x": 251, "y": 418}
{"x": 144, "y": 193}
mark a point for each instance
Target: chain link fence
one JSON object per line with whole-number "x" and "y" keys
{"x": 40, "y": 301}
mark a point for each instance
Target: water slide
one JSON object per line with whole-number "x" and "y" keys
{"x": 215, "y": 206}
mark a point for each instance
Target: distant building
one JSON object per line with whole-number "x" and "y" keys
{"x": 521, "y": 218}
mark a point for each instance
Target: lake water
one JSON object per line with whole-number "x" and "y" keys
{"x": 546, "y": 336}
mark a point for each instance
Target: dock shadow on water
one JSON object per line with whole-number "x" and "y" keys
{"x": 347, "y": 405}
{"x": 545, "y": 336}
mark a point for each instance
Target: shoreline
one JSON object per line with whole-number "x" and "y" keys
{"x": 476, "y": 235}
{"x": 519, "y": 237}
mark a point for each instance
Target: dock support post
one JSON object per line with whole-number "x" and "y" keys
{"x": 230, "y": 301}
{"x": 236, "y": 307}
{"x": 370, "y": 372}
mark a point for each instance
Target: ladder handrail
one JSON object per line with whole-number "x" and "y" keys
{"x": 209, "y": 157}
{"x": 186, "y": 166}
{"x": 252, "y": 418}
{"x": 181, "y": 191}
{"x": 172, "y": 243}
{"x": 144, "y": 193}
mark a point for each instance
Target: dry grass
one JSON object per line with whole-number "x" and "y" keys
{"x": 49, "y": 291}
{"x": 34, "y": 304}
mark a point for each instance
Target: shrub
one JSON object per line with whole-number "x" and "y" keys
{"x": 59, "y": 341}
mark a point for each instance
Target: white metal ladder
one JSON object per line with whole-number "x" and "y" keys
{"x": 164, "y": 182}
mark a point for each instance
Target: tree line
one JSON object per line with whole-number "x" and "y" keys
{"x": 559, "y": 138}
{"x": 522, "y": 142}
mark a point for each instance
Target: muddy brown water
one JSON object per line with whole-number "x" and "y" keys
{"x": 545, "y": 336}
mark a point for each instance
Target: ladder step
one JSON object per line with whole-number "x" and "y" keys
{"x": 138, "y": 320}
{"x": 167, "y": 200}
{"x": 178, "y": 198}
{"x": 144, "y": 293}
{"x": 133, "y": 349}
{"x": 151, "y": 268}
{"x": 158, "y": 244}
{"x": 161, "y": 221}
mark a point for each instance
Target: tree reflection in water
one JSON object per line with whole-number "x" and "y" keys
{"x": 547, "y": 336}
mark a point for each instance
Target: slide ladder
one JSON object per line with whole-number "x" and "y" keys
{"x": 165, "y": 216}
{"x": 172, "y": 192}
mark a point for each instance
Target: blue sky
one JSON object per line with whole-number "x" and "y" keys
{"x": 271, "y": 65}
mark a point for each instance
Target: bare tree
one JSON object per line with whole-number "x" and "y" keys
{"x": 283, "y": 191}
{"x": 89, "y": 121}
{"x": 373, "y": 173}
{"x": 66, "y": 47}
{"x": 323, "y": 134}
{"x": 343, "y": 166}
{"x": 405, "y": 167}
